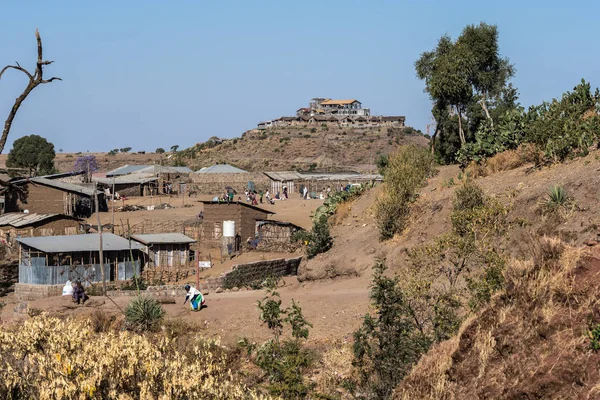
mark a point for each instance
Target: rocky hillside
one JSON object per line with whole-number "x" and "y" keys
{"x": 291, "y": 148}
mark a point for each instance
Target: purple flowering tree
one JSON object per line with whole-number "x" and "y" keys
{"x": 88, "y": 164}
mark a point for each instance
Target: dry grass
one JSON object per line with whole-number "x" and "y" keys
{"x": 530, "y": 342}
{"x": 335, "y": 366}
{"x": 505, "y": 161}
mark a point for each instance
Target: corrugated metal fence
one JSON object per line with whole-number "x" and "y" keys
{"x": 40, "y": 274}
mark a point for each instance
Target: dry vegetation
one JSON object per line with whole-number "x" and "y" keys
{"x": 531, "y": 342}
{"x": 50, "y": 358}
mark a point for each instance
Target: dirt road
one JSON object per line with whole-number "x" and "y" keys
{"x": 335, "y": 308}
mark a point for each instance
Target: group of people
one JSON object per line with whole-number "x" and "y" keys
{"x": 76, "y": 291}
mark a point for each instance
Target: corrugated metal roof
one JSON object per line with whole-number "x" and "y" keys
{"x": 163, "y": 238}
{"x": 75, "y": 243}
{"x": 157, "y": 169}
{"x": 283, "y": 175}
{"x": 220, "y": 169}
{"x": 333, "y": 176}
{"x": 19, "y": 220}
{"x": 69, "y": 187}
{"x": 131, "y": 178}
{"x": 126, "y": 169}
{"x": 224, "y": 203}
{"x": 146, "y": 169}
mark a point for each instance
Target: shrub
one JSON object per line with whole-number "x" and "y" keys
{"x": 594, "y": 335}
{"x": 406, "y": 173}
{"x": 71, "y": 361}
{"x": 284, "y": 362}
{"x": 389, "y": 343}
{"x": 313, "y": 130}
{"x": 159, "y": 150}
{"x": 556, "y": 196}
{"x": 468, "y": 197}
{"x": 144, "y": 314}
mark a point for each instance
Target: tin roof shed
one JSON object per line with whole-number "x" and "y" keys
{"x": 78, "y": 243}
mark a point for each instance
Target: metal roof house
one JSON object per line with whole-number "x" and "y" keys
{"x": 146, "y": 169}
{"x": 52, "y": 260}
{"x": 167, "y": 249}
{"x": 14, "y": 225}
{"x": 46, "y": 196}
{"x": 220, "y": 169}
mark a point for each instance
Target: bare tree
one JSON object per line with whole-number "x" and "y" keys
{"x": 35, "y": 79}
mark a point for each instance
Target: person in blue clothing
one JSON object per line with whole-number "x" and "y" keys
{"x": 195, "y": 297}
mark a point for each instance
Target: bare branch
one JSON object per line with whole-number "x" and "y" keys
{"x": 18, "y": 68}
{"x": 54, "y": 78}
{"x": 34, "y": 80}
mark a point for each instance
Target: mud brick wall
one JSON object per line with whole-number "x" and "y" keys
{"x": 216, "y": 183}
{"x": 27, "y": 292}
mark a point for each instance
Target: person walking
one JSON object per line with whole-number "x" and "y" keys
{"x": 305, "y": 195}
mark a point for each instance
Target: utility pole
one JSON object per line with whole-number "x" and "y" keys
{"x": 113, "y": 205}
{"x": 101, "y": 246}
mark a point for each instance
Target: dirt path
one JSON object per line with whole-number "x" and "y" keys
{"x": 335, "y": 308}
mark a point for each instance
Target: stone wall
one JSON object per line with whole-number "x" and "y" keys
{"x": 255, "y": 272}
{"x": 216, "y": 183}
{"x": 239, "y": 276}
{"x": 25, "y": 291}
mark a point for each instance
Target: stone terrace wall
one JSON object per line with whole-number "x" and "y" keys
{"x": 25, "y": 291}
{"x": 246, "y": 274}
{"x": 216, "y": 183}
{"x": 239, "y": 276}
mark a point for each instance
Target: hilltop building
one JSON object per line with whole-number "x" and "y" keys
{"x": 337, "y": 107}
{"x": 330, "y": 112}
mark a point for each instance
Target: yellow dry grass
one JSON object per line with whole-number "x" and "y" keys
{"x": 544, "y": 305}
{"x": 50, "y": 358}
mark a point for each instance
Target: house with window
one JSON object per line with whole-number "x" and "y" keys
{"x": 344, "y": 107}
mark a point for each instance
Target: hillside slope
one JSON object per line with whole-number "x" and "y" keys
{"x": 290, "y": 148}
{"x": 531, "y": 343}
{"x": 356, "y": 238}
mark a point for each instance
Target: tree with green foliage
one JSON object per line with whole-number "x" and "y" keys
{"x": 389, "y": 343}
{"x": 405, "y": 174}
{"x": 174, "y": 148}
{"x": 283, "y": 361}
{"x": 125, "y": 150}
{"x": 466, "y": 79}
{"x": 160, "y": 150}
{"x": 33, "y": 153}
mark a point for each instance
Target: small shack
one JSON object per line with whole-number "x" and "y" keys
{"x": 44, "y": 196}
{"x": 13, "y": 225}
{"x": 52, "y": 260}
{"x": 244, "y": 215}
{"x": 131, "y": 184}
{"x": 276, "y": 235}
{"x": 167, "y": 249}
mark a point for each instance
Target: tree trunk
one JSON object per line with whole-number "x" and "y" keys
{"x": 483, "y": 103}
{"x": 35, "y": 79}
{"x": 433, "y": 139}
{"x": 461, "y": 134}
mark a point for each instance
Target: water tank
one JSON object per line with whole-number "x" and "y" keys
{"x": 228, "y": 228}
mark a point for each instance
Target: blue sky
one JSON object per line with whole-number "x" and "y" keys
{"x": 150, "y": 74}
